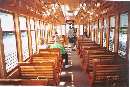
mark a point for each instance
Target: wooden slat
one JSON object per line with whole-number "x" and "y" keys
{"x": 33, "y": 82}
{"x": 107, "y": 75}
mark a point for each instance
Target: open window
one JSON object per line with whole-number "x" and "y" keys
{"x": 9, "y": 41}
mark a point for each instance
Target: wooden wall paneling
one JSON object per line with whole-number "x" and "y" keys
{"x": 90, "y": 30}
{"x": 29, "y": 36}
{"x": 18, "y": 38}
{"x": 88, "y": 33}
{"x": 128, "y": 48}
{"x": 116, "y": 36}
{"x": 101, "y": 32}
{"x": 108, "y": 32}
{"x": 3, "y": 72}
{"x": 96, "y": 32}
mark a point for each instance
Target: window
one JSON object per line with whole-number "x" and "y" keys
{"x": 43, "y": 33}
{"x": 67, "y": 28}
{"x": 33, "y": 35}
{"x": 81, "y": 29}
{"x": 38, "y": 31}
{"x": 63, "y": 29}
{"x": 99, "y": 28}
{"x": 92, "y": 31}
{"x": 24, "y": 37}
{"x": 46, "y": 31}
{"x": 32, "y": 24}
{"x": 9, "y": 41}
{"x": 38, "y": 36}
{"x": 123, "y": 35}
{"x": 96, "y": 32}
{"x": 33, "y": 41}
{"x": 104, "y": 33}
{"x": 58, "y": 29}
{"x": 111, "y": 38}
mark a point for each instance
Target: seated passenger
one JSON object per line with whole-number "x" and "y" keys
{"x": 64, "y": 54}
{"x": 43, "y": 44}
{"x": 51, "y": 40}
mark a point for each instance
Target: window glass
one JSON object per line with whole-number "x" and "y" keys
{"x": 81, "y": 29}
{"x": 25, "y": 50}
{"x": 96, "y": 32}
{"x": 10, "y": 50}
{"x": 9, "y": 41}
{"x": 67, "y": 28}
{"x": 92, "y": 31}
{"x": 33, "y": 41}
{"x": 24, "y": 37}
{"x": 32, "y": 24}
{"x": 111, "y": 38}
{"x": 123, "y": 35}
{"x": 22, "y": 23}
{"x": 38, "y": 36}
{"x": 59, "y": 31}
{"x": 37, "y": 25}
{"x": 99, "y": 28}
{"x": 63, "y": 29}
{"x": 104, "y": 33}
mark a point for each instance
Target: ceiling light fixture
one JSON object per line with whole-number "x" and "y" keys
{"x": 98, "y": 4}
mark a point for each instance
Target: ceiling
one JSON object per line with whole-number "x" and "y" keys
{"x": 58, "y": 11}
{"x": 73, "y": 4}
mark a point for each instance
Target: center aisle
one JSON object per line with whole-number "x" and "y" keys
{"x": 73, "y": 76}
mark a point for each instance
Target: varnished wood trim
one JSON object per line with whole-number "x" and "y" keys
{"x": 128, "y": 52}
{"x": 108, "y": 32}
{"x": 18, "y": 38}
{"x": 116, "y": 33}
{"x": 29, "y": 36}
{"x": 101, "y": 32}
{"x": 3, "y": 72}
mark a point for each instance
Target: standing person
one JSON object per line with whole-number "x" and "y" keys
{"x": 71, "y": 36}
{"x": 74, "y": 39}
{"x": 64, "y": 54}
{"x": 85, "y": 34}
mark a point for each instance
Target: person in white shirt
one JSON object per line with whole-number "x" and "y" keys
{"x": 70, "y": 35}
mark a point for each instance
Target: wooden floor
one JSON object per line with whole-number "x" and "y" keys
{"x": 73, "y": 76}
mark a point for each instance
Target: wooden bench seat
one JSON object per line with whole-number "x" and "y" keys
{"x": 103, "y": 57}
{"x": 101, "y": 53}
{"x": 51, "y": 51}
{"x": 46, "y": 56}
{"x": 107, "y": 75}
{"x": 86, "y": 51}
{"x": 39, "y": 57}
{"x": 52, "y": 59}
{"x": 102, "y": 60}
{"x": 39, "y": 71}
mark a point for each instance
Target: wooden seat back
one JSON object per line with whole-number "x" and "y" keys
{"x": 36, "y": 70}
{"x": 44, "y": 70}
{"x": 50, "y": 50}
{"x": 107, "y": 75}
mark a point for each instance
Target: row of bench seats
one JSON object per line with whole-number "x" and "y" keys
{"x": 43, "y": 68}
{"x": 102, "y": 66}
